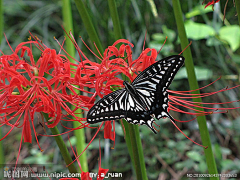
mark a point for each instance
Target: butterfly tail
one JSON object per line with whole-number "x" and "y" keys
{"x": 149, "y": 124}
{"x": 170, "y": 117}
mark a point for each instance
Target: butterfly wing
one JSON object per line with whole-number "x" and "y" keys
{"x": 151, "y": 86}
{"x": 114, "y": 106}
{"x": 108, "y": 108}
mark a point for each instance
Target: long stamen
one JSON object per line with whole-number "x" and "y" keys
{"x": 187, "y": 136}
{"x": 162, "y": 45}
{"x": 185, "y": 48}
{"x": 198, "y": 88}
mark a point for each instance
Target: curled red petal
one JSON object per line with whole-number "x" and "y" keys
{"x": 101, "y": 173}
{"x": 85, "y": 176}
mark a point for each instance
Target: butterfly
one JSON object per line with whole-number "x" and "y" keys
{"x": 145, "y": 99}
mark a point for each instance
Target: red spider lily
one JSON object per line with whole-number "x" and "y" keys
{"x": 30, "y": 85}
{"x": 211, "y": 3}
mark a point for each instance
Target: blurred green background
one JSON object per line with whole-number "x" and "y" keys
{"x": 168, "y": 154}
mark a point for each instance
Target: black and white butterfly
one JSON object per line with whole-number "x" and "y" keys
{"x": 143, "y": 100}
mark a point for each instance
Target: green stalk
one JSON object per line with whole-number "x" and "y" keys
{"x": 212, "y": 168}
{"x": 1, "y": 21}
{"x": 141, "y": 162}
{"x": 136, "y": 153}
{"x": 128, "y": 140}
{"x": 2, "y": 157}
{"x": 132, "y": 138}
{"x": 115, "y": 19}
{"x": 68, "y": 26}
{"x": 62, "y": 147}
{"x": 79, "y": 134}
{"x": 237, "y": 3}
{"x": 88, "y": 25}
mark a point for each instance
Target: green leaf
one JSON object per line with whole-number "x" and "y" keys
{"x": 180, "y": 136}
{"x": 189, "y": 163}
{"x": 198, "y": 10}
{"x": 159, "y": 37}
{"x": 226, "y": 164}
{"x": 169, "y": 33}
{"x": 213, "y": 41}
{"x": 194, "y": 155}
{"x": 236, "y": 58}
{"x": 197, "y": 31}
{"x": 201, "y": 73}
{"x": 231, "y": 34}
{"x": 171, "y": 144}
{"x": 225, "y": 151}
{"x": 202, "y": 166}
{"x": 217, "y": 150}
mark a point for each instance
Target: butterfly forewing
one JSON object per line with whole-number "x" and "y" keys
{"x": 108, "y": 108}
{"x": 153, "y": 82}
{"x": 148, "y": 100}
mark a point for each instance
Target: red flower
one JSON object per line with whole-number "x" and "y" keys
{"x": 211, "y": 3}
{"x": 85, "y": 176}
{"x": 30, "y": 86}
{"x": 108, "y": 133}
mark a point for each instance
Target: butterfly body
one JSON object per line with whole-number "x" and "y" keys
{"x": 143, "y": 100}
{"x": 131, "y": 90}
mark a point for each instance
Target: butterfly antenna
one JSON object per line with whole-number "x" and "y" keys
{"x": 185, "y": 48}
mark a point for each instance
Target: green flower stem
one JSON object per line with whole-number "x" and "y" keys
{"x": 88, "y": 25}
{"x": 237, "y": 3}
{"x": 2, "y": 157}
{"x": 68, "y": 26}
{"x": 80, "y": 143}
{"x": 140, "y": 152}
{"x": 118, "y": 35}
{"x": 128, "y": 140}
{"x": 115, "y": 19}
{"x": 132, "y": 138}
{"x": 137, "y": 155}
{"x": 62, "y": 147}
{"x": 212, "y": 169}
{"x": 79, "y": 134}
{"x": 1, "y": 21}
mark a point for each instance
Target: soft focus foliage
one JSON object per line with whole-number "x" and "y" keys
{"x": 215, "y": 48}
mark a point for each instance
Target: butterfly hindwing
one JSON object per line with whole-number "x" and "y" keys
{"x": 144, "y": 99}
